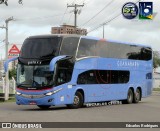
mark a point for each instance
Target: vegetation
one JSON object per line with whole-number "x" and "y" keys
{"x": 10, "y": 100}
{"x": 156, "y": 89}
{"x": 12, "y": 73}
{"x": 1, "y": 90}
{"x": 156, "y": 60}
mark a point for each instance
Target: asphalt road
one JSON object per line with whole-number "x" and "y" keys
{"x": 148, "y": 110}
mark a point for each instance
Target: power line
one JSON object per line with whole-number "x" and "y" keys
{"x": 82, "y": 1}
{"x": 69, "y": 18}
{"x": 2, "y": 45}
{"x": 104, "y": 23}
{"x": 63, "y": 16}
{"x": 98, "y": 12}
{"x": 38, "y": 18}
{"x": 108, "y": 21}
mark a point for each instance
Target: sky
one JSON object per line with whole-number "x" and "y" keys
{"x": 36, "y": 17}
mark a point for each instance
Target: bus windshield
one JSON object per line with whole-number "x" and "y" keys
{"x": 34, "y": 77}
{"x": 40, "y": 47}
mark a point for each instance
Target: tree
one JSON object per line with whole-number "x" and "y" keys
{"x": 12, "y": 73}
{"x": 156, "y": 59}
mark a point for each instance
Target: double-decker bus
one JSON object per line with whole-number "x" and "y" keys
{"x": 73, "y": 70}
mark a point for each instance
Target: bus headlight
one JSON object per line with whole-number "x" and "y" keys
{"x": 18, "y": 93}
{"x": 51, "y": 93}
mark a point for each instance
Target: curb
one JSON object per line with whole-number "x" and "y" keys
{"x": 157, "y": 93}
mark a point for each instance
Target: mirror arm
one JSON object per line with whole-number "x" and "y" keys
{"x": 55, "y": 60}
{"x": 6, "y": 63}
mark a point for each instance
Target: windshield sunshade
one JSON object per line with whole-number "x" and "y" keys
{"x": 40, "y": 47}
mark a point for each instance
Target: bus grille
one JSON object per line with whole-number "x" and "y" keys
{"x": 33, "y": 96}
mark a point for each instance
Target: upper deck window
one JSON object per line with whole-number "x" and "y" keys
{"x": 69, "y": 46}
{"x": 107, "y": 49}
{"x": 87, "y": 47}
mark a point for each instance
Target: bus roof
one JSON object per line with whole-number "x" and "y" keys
{"x": 54, "y": 35}
{"x": 115, "y": 41}
{"x": 87, "y": 37}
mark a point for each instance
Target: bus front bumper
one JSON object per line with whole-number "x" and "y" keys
{"x": 47, "y": 98}
{"x": 25, "y": 100}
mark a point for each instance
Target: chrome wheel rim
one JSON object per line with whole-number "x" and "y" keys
{"x": 76, "y": 100}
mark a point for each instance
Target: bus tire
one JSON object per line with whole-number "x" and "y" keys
{"x": 137, "y": 96}
{"x": 44, "y": 107}
{"x": 129, "y": 97}
{"x": 78, "y": 101}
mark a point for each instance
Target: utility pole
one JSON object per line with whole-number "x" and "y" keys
{"x": 103, "y": 30}
{"x": 6, "y": 57}
{"x": 75, "y": 12}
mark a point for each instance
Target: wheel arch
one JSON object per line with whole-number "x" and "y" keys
{"x": 82, "y": 92}
{"x": 131, "y": 89}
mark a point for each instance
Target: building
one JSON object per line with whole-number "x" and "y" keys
{"x": 68, "y": 29}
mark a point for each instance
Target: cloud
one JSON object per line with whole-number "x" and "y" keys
{"x": 38, "y": 16}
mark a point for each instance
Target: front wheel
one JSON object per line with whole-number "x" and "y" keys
{"x": 78, "y": 101}
{"x": 137, "y": 96}
{"x": 44, "y": 107}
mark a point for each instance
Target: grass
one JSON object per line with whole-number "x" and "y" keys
{"x": 10, "y": 100}
{"x": 156, "y": 89}
{"x": 1, "y": 90}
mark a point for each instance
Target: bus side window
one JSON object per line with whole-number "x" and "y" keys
{"x": 86, "y": 48}
{"x": 146, "y": 54}
{"x": 69, "y": 46}
{"x": 149, "y": 76}
{"x": 64, "y": 72}
{"x": 103, "y": 77}
{"x": 87, "y": 77}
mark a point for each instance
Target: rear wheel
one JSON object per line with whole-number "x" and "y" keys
{"x": 137, "y": 96}
{"x": 129, "y": 97}
{"x": 78, "y": 101}
{"x": 44, "y": 107}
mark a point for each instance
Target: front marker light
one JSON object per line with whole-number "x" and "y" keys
{"x": 57, "y": 90}
{"x": 18, "y": 93}
{"x": 51, "y": 93}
